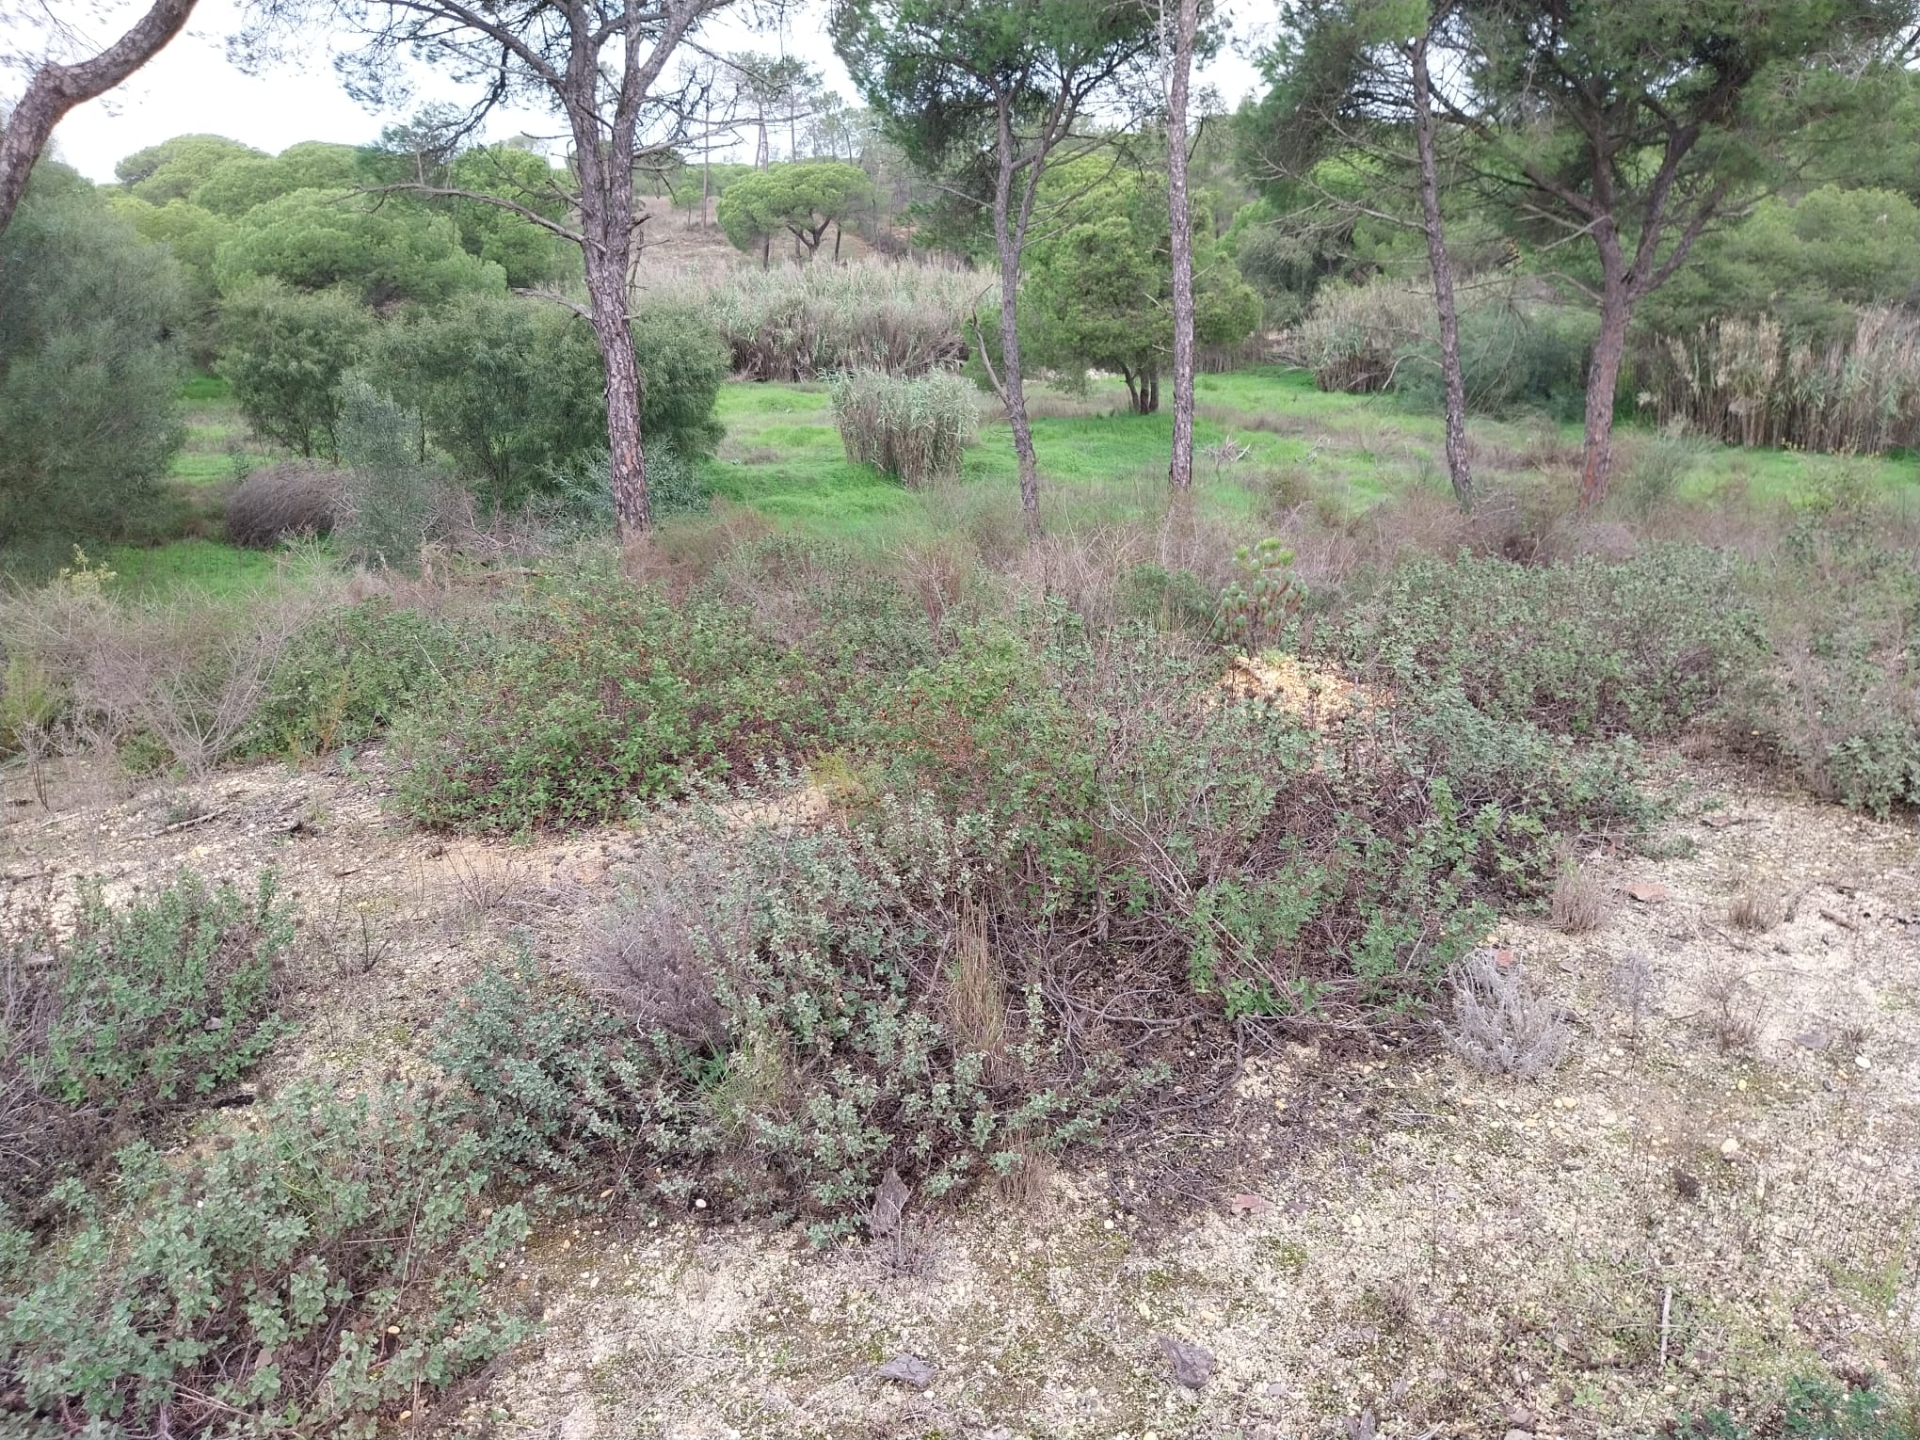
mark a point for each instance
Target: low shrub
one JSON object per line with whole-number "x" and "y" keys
{"x": 597, "y": 693}
{"x": 1813, "y": 1408}
{"x": 1315, "y": 875}
{"x": 350, "y": 673}
{"x": 818, "y": 1056}
{"x": 148, "y": 1006}
{"x": 1839, "y": 701}
{"x": 1501, "y": 1024}
{"x": 581, "y": 498}
{"x": 278, "y": 501}
{"x": 911, "y": 429}
{"x": 1584, "y": 647}
{"x": 311, "y": 1271}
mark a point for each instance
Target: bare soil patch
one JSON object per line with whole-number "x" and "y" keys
{"x": 1717, "y": 1189}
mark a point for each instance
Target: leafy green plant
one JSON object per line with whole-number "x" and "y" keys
{"x": 164, "y": 1001}
{"x": 350, "y": 673}
{"x": 309, "y": 1272}
{"x": 599, "y": 693}
{"x": 150, "y": 1005}
{"x": 1261, "y": 599}
{"x": 1814, "y": 1409}
{"x": 1585, "y": 647}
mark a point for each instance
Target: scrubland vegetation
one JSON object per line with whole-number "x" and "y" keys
{"x": 985, "y": 798}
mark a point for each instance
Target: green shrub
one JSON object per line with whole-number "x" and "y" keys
{"x": 167, "y": 1000}
{"x": 682, "y": 365}
{"x": 349, "y": 674}
{"x": 508, "y": 387}
{"x": 88, "y": 374}
{"x": 311, "y": 1271}
{"x": 285, "y": 353}
{"x": 913, "y": 430}
{"x": 150, "y": 1005}
{"x": 1588, "y": 647}
{"x": 599, "y": 693}
{"x": 391, "y": 501}
{"x": 1171, "y": 599}
{"x": 581, "y": 498}
{"x": 832, "y": 1052}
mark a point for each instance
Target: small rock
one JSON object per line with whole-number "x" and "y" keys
{"x": 1729, "y": 1148}
{"x": 1813, "y": 1039}
{"x": 1517, "y": 1434}
{"x": 1520, "y": 1417}
{"x": 1192, "y": 1365}
{"x": 1863, "y": 1062}
{"x": 907, "y": 1370}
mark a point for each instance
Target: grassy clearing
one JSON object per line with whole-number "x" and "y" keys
{"x": 213, "y": 567}
{"x": 783, "y": 458}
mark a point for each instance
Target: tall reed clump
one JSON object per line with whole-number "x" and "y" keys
{"x": 1746, "y": 381}
{"x": 1356, "y": 336}
{"x": 803, "y": 323}
{"x": 913, "y": 430}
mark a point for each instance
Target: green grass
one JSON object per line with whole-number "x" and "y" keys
{"x": 1099, "y": 463}
{"x": 211, "y": 566}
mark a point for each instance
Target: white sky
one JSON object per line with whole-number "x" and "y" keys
{"x": 190, "y": 88}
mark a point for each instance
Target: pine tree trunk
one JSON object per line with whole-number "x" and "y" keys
{"x": 1603, "y": 376}
{"x": 626, "y": 460}
{"x": 1180, "y": 221}
{"x": 1440, "y": 265}
{"x": 1012, "y": 384}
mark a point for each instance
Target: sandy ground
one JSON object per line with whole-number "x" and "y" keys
{"x": 1715, "y": 1191}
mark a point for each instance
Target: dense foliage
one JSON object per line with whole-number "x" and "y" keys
{"x": 88, "y": 368}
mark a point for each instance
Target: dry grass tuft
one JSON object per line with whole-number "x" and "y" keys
{"x": 1753, "y": 911}
{"x": 976, "y": 998}
{"x": 1579, "y": 902}
{"x": 1501, "y": 1024}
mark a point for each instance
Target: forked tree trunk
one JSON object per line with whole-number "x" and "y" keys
{"x": 1603, "y": 371}
{"x": 54, "y": 89}
{"x": 1180, "y": 221}
{"x": 1440, "y": 264}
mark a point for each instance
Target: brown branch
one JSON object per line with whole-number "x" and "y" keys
{"x": 442, "y": 192}
{"x": 55, "y": 89}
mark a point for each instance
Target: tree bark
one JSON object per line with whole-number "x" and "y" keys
{"x": 626, "y": 458}
{"x": 1012, "y": 383}
{"x": 55, "y": 89}
{"x": 1440, "y": 264}
{"x": 1603, "y": 376}
{"x": 1180, "y": 222}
